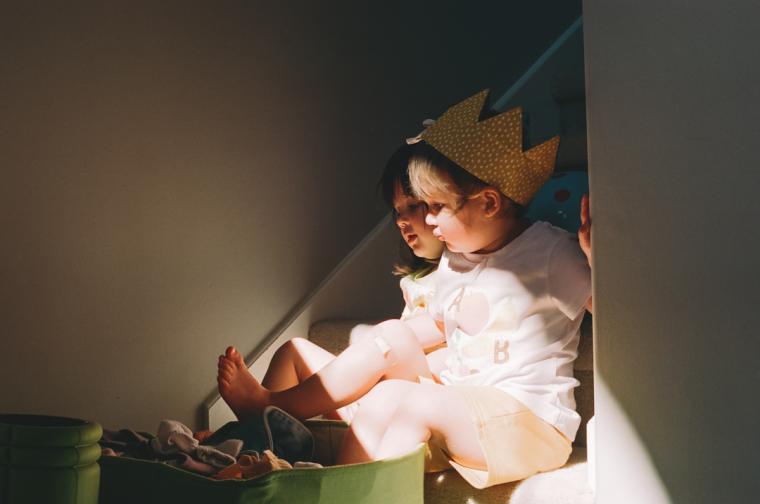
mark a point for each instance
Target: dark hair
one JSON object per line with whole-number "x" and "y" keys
{"x": 396, "y": 173}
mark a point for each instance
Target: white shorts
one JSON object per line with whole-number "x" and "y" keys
{"x": 516, "y": 443}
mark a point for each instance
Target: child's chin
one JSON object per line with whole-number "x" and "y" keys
{"x": 459, "y": 249}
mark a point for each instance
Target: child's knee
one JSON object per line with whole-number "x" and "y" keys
{"x": 387, "y": 391}
{"x": 292, "y": 346}
{"x": 411, "y": 414}
{"x": 396, "y": 336}
{"x": 384, "y": 396}
{"x": 418, "y": 407}
{"x": 360, "y": 332}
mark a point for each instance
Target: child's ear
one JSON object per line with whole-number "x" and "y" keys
{"x": 493, "y": 203}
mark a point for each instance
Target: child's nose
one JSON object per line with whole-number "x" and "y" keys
{"x": 430, "y": 219}
{"x": 402, "y": 220}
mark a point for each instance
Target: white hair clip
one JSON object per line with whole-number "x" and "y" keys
{"x": 425, "y": 125}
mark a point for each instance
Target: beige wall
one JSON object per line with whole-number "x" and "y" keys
{"x": 672, "y": 93}
{"x": 176, "y": 177}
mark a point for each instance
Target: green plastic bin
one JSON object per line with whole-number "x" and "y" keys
{"x": 48, "y": 460}
{"x": 398, "y": 481}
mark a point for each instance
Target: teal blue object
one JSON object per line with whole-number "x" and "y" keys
{"x": 559, "y": 200}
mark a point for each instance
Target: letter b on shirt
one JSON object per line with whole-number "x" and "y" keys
{"x": 500, "y": 351}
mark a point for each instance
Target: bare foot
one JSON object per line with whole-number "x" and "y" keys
{"x": 238, "y": 387}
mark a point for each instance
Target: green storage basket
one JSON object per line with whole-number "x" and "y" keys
{"x": 399, "y": 481}
{"x": 50, "y": 460}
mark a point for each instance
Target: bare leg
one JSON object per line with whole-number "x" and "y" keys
{"x": 297, "y": 359}
{"x": 344, "y": 380}
{"x": 294, "y": 362}
{"x": 379, "y": 405}
{"x": 376, "y": 410}
{"x": 437, "y": 361}
{"x": 384, "y": 428}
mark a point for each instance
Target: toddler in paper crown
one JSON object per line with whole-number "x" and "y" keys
{"x": 509, "y": 297}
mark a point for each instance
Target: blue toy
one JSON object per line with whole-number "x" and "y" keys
{"x": 559, "y": 200}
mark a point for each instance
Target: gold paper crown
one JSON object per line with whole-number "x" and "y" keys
{"x": 492, "y": 149}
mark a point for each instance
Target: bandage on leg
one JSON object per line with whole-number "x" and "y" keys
{"x": 385, "y": 349}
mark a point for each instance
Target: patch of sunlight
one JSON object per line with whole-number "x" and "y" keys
{"x": 624, "y": 470}
{"x": 568, "y": 485}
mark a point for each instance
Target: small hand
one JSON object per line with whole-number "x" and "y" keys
{"x": 584, "y": 232}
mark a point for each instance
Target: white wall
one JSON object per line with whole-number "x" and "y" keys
{"x": 356, "y": 289}
{"x": 673, "y": 123}
{"x": 175, "y": 177}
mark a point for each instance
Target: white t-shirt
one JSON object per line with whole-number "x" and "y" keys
{"x": 512, "y": 319}
{"x": 418, "y": 293}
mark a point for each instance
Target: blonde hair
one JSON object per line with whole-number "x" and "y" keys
{"x": 431, "y": 172}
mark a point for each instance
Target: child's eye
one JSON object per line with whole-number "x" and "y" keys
{"x": 435, "y": 207}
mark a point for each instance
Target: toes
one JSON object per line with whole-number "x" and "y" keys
{"x": 233, "y": 355}
{"x": 226, "y": 371}
{"x": 238, "y": 361}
